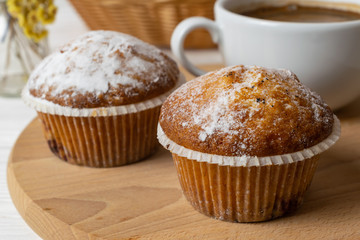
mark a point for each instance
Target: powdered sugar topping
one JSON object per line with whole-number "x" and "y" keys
{"x": 98, "y": 61}
{"x": 244, "y": 105}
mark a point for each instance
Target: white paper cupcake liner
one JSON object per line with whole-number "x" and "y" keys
{"x": 45, "y": 106}
{"x": 102, "y": 141}
{"x": 245, "y": 194}
{"x": 248, "y": 161}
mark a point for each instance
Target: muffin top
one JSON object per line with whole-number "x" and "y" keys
{"x": 246, "y": 111}
{"x": 102, "y": 69}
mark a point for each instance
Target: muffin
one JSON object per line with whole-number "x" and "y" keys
{"x": 99, "y": 98}
{"x": 246, "y": 141}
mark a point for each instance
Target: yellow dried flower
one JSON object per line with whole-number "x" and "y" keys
{"x": 33, "y": 3}
{"x": 14, "y": 7}
{"x": 32, "y": 18}
{"x": 46, "y": 16}
{"x": 51, "y": 12}
{"x": 40, "y": 35}
{"x": 28, "y": 31}
{"x": 21, "y": 20}
{"x": 32, "y": 15}
{"x": 34, "y": 34}
{"x": 40, "y": 12}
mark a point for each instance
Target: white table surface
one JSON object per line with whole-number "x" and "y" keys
{"x": 15, "y": 116}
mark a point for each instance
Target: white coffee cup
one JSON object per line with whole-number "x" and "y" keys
{"x": 325, "y": 56}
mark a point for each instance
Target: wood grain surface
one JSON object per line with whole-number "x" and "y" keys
{"x": 144, "y": 200}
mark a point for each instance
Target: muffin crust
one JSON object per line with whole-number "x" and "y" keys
{"x": 101, "y": 69}
{"x": 246, "y": 110}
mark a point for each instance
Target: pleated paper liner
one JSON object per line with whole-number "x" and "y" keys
{"x": 100, "y": 137}
{"x": 102, "y": 141}
{"x": 246, "y": 189}
{"x": 245, "y": 194}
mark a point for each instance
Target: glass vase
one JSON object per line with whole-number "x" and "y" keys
{"x": 18, "y": 54}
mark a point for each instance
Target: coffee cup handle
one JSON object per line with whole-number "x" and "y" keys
{"x": 180, "y": 33}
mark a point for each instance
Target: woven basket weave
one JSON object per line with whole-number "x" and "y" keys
{"x": 153, "y": 21}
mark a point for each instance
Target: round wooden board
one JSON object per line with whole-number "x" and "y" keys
{"x": 144, "y": 200}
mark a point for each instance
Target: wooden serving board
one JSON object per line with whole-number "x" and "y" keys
{"x": 144, "y": 200}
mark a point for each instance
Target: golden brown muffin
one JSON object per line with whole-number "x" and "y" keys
{"x": 102, "y": 69}
{"x": 246, "y": 111}
{"x": 99, "y": 98}
{"x": 246, "y": 141}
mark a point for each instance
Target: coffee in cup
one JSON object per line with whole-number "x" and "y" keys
{"x": 325, "y": 55}
{"x": 300, "y": 13}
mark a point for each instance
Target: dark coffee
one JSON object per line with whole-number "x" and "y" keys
{"x": 297, "y": 13}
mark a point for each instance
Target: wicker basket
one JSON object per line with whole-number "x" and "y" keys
{"x": 153, "y": 21}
